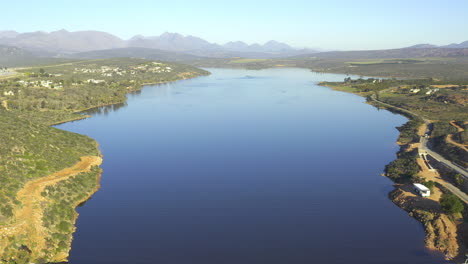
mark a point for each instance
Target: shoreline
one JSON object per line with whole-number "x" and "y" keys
{"x": 62, "y": 253}
{"x": 141, "y": 86}
{"x": 115, "y": 103}
{"x": 390, "y": 108}
{"x": 64, "y": 258}
{"x": 437, "y": 225}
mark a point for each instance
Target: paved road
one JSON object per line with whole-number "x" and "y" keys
{"x": 456, "y": 191}
{"x": 424, "y": 148}
{"x": 423, "y": 141}
{"x": 439, "y": 158}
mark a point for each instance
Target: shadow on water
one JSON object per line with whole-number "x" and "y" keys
{"x": 104, "y": 110}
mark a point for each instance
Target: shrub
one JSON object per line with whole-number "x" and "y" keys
{"x": 451, "y": 203}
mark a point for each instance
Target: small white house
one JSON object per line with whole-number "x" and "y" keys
{"x": 95, "y": 81}
{"x": 422, "y": 190}
{"x": 46, "y": 84}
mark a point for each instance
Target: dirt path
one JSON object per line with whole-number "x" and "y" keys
{"x": 450, "y": 137}
{"x": 430, "y": 176}
{"x": 459, "y": 128}
{"x": 453, "y": 142}
{"x": 28, "y": 218}
{"x": 422, "y": 129}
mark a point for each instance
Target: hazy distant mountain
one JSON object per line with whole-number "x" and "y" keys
{"x": 171, "y": 42}
{"x": 462, "y": 45}
{"x": 270, "y": 46}
{"x": 62, "y": 41}
{"x": 275, "y": 46}
{"x": 8, "y": 34}
{"x": 236, "y": 46}
{"x": 14, "y": 57}
{"x": 7, "y": 51}
{"x": 145, "y": 53}
{"x": 392, "y": 53}
{"x": 422, "y": 46}
{"x": 198, "y": 46}
{"x": 65, "y": 42}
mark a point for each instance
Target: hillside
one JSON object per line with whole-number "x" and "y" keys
{"x": 63, "y": 41}
{"x": 15, "y": 57}
{"x": 145, "y": 53}
{"x": 462, "y": 45}
{"x": 30, "y": 151}
{"x": 393, "y": 53}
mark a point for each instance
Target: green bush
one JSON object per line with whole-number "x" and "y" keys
{"x": 451, "y": 203}
{"x": 404, "y": 167}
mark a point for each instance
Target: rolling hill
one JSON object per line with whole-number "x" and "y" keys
{"x": 58, "y": 43}
{"x": 392, "y": 53}
{"x": 15, "y": 57}
{"x": 132, "y": 52}
{"x": 62, "y": 41}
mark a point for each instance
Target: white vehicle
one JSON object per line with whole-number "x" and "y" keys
{"x": 422, "y": 190}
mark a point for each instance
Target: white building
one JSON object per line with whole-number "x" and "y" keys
{"x": 47, "y": 84}
{"x": 422, "y": 190}
{"x": 95, "y": 81}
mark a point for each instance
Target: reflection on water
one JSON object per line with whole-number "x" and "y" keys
{"x": 104, "y": 110}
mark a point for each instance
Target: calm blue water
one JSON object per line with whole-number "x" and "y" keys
{"x": 245, "y": 167}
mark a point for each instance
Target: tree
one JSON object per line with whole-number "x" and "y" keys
{"x": 458, "y": 179}
{"x": 430, "y": 185}
{"x": 451, "y": 203}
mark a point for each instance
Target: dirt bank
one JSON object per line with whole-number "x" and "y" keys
{"x": 441, "y": 231}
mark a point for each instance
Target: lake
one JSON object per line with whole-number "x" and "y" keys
{"x": 243, "y": 167}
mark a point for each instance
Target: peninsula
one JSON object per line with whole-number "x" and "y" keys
{"x": 46, "y": 172}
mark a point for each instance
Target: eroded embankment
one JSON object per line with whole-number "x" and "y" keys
{"x": 27, "y": 222}
{"x": 441, "y": 231}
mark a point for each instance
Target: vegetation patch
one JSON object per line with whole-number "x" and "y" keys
{"x": 404, "y": 167}
{"x": 38, "y": 190}
{"x": 59, "y": 216}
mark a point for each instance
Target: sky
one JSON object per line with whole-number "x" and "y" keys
{"x": 328, "y": 25}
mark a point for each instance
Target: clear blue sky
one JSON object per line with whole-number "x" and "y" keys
{"x": 328, "y": 24}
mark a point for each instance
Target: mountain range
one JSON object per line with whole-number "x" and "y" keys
{"x": 420, "y": 52}
{"x": 462, "y": 45}
{"x": 15, "y": 57}
{"x": 65, "y": 42}
{"x": 40, "y": 47}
